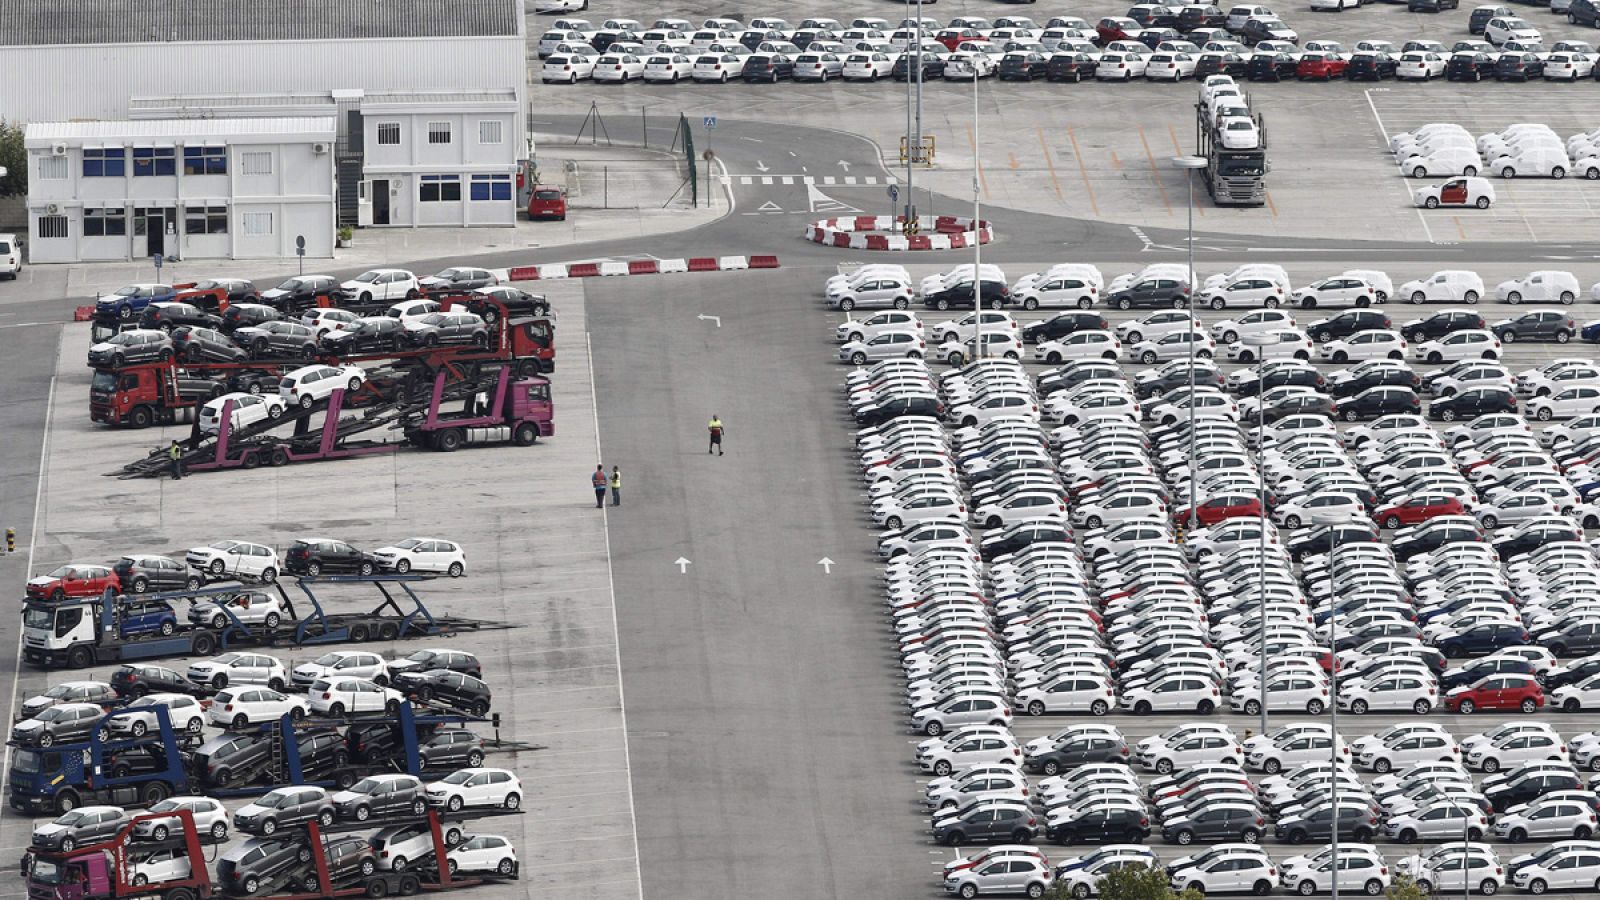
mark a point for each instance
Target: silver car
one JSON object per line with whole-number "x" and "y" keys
{"x": 1546, "y": 818}
{"x": 1010, "y": 876}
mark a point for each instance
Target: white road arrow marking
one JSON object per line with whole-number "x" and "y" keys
{"x": 717, "y": 319}
{"x": 845, "y": 166}
{"x": 761, "y": 166}
{"x": 682, "y": 564}
{"x": 826, "y": 564}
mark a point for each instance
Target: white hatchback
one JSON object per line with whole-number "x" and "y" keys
{"x": 376, "y": 285}
{"x": 248, "y": 409}
{"x": 306, "y": 385}
{"x": 478, "y": 787}
{"x": 423, "y": 555}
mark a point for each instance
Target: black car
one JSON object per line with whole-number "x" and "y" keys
{"x": 961, "y": 296}
{"x": 1061, "y": 378}
{"x": 349, "y": 859}
{"x": 1023, "y": 534}
{"x": 245, "y": 315}
{"x": 139, "y": 345}
{"x": 1389, "y": 376}
{"x": 1355, "y": 823}
{"x": 1539, "y": 325}
{"x": 1432, "y": 6}
{"x": 1346, "y": 324}
{"x": 895, "y": 407}
{"x": 1077, "y": 751}
{"x": 1576, "y": 672}
{"x": 1317, "y": 540}
{"x": 1073, "y": 67}
{"x": 1376, "y": 632}
{"x": 1294, "y": 405}
{"x": 1374, "y": 66}
{"x": 278, "y": 339}
{"x": 139, "y": 759}
{"x": 1440, "y": 324}
{"x": 1533, "y": 538}
{"x": 1168, "y": 379}
{"x": 169, "y": 315}
{"x": 245, "y": 867}
{"x": 375, "y": 744}
{"x": 1155, "y": 37}
{"x": 1216, "y": 821}
{"x": 1023, "y": 66}
{"x": 1228, "y": 63}
{"x": 204, "y": 294}
{"x": 1428, "y": 538}
{"x": 377, "y": 796}
{"x": 140, "y": 573}
{"x": 1518, "y": 67}
{"x": 1580, "y": 12}
{"x": 487, "y": 302}
{"x": 1479, "y": 17}
{"x": 444, "y": 686}
{"x": 452, "y": 748}
{"x": 1375, "y": 402}
{"x": 1472, "y": 672}
{"x": 301, "y": 293}
{"x": 1201, "y": 15}
{"x": 322, "y": 754}
{"x": 318, "y": 556}
{"x": 375, "y": 333}
{"x": 768, "y": 67}
{"x": 1062, "y": 324}
{"x": 438, "y": 658}
{"x": 1097, "y": 824}
{"x": 133, "y": 680}
{"x": 194, "y": 343}
{"x": 1280, "y": 376}
{"x": 226, "y": 757}
{"x": 1272, "y": 67}
{"x": 1153, "y": 293}
{"x": 1519, "y": 789}
{"x": 932, "y": 67}
{"x": 458, "y": 278}
{"x": 986, "y": 821}
{"x": 1469, "y": 67}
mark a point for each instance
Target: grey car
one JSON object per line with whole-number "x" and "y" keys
{"x": 85, "y": 825}
{"x": 1538, "y": 325}
{"x": 381, "y": 795}
{"x": 438, "y": 328}
{"x": 245, "y": 868}
{"x": 284, "y": 806}
{"x": 139, "y": 345}
{"x": 278, "y": 339}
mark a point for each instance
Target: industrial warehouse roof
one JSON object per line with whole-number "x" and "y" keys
{"x": 44, "y": 22}
{"x": 190, "y": 129}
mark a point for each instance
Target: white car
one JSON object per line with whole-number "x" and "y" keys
{"x": 478, "y": 787}
{"x": 376, "y": 285}
{"x": 1464, "y": 191}
{"x": 1344, "y": 289}
{"x": 1239, "y": 133}
{"x": 236, "y": 559}
{"x": 411, "y": 311}
{"x": 1180, "y": 693}
{"x": 139, "y": 717}
{"x": 238, "y": 668}
{"x": 1542, "y": 286}
{"x": 1568, "y": 66}
{"x": 1280, "y": 344}
{"x": 902, "y": 343}
{"x": 1536, "y": 162}
{"x": 422, "y": 554}
{"x": 330, "y": 320}
{"x": 1173, "y": 346}
{"x": 1468, "y": 343}
{"x": 1400, "y": 691}
{"x": 248, "y": 607}
{"x": 1120, "y": 67}
{"x": 308, "y": 384}
{"x": 1450, "y": 160}
{"x": 618, "y": 67}
{"x": 1359, "y": 873}
{"x": 1169, "y": 66}
{"x": 1258, "y": 322}
{"x": 718, "y": 67}
{"x": 343, "y": 696}
{"x": 247, "y": 410}
{"x": 1445, "y": 286}
{"x": 210, "y": 817}
{"x": 1079, "y": 345}
{"x": 1095, "y": 695}
{"x": 1405, "y": 750}
{"x": 1510, "y": 28}
{"x": 1365, "y": 345}
{"x": 1546, "y": 818}
{"x": 567, "y": 68}
{"x": 1158, "y": 325}
{"x": 483, "y": 853}
{"x": 1419, "y": 65}
{"x": 343, "y": 663}
{"x": 1565, "y": 404}
{"x": 866, "y": 66}
{"x": 241, "y": 706}
{"x": 667, "y": 67}
{"x": 1566, "y": 870}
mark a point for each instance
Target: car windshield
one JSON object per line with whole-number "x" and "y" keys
{"x": 273, "y": 801}
{"x": 166, "y": 806}
{"x": 409, "y": 544}
{"x": 223, "y": 545}
{"x": 52, "y": 714}
{"x": 123, "y": 339}
{"x": 366, "y": 786}
{"x": 367, "y": 277}
{"x": 60, "y": 572}
{"x": 227, "y": 659}
{"x": 290, "y": 285}
{"x": 458, "y": 777}
{"x": 423, "y": 656}
{"x": 433, "y": 319}
{"x": 328, "y": 659}
{"x": 71, "y": 818}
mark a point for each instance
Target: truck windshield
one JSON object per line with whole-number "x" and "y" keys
{"x": 1240, "y": 166}
{"x": 45, "y": 872}
{"x": 28, "y": 761}
{"x": 36, "y": 617}
{"x": 103, "y": 383}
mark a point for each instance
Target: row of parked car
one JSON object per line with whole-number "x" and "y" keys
{"x": 1529, "y": 149}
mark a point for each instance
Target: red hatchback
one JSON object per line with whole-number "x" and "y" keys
{"x": 73, "y": 580}
{"x": 547, "y": 202}
{"x": 1321, "y": 65}
{"x": 1419, "y": 509}
{"x": 1505, "y": 691}
{"x": 1227, "y": 506}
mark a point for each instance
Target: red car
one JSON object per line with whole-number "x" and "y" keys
{"x": 1419, "y": 509}
{"x": 952, "y": 38}
{"x": 1321, "y": 65}
{"x": 74, "y": 580}
{"x": 1228, "y": 506}
{"x": 1504, "y": 691}
{"x": 1115, "y": 28}
{"x": 547, "y": 202}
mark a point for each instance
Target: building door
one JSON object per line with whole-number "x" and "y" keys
{"x": 380, "y": 202}
{"x": 155, "y": 232}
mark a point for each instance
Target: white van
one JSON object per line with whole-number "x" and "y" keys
{"x": 1447, "y": 286}
{"x": 10, "y": 257}
{"x": 1543, "y": 286}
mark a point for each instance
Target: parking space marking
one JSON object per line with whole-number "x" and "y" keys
{"x": 1155, "y": 172}
{"x": 1049, "y": 163}
{"x": 1372, "y": 105}
{"x": 1082, "y": 170}
{"x": 1177, "y": 150}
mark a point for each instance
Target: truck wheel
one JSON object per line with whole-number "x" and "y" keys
{"x": 79, "y": 657}
{"x": 250, "y": 460}
{"x": 204, "y": 644}
{"x": 179, "y": 894}
{"x": 278, "y": 457}
{"x": 525, "y": 435}
{"x": 448, "y": 441}
{"x": 388, "y": 631}
{"x": 358, "y": 633}
{"x": 377, "y": 887}
{"x": 410, "y": 885}
{"x": 140, "y": 417}
{"x": 154, "y": 792}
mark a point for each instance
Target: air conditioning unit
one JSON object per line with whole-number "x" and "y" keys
{"x": 58, "y": 149}
{"x": 319, "y": 148}
{"x": 52, "y": 210}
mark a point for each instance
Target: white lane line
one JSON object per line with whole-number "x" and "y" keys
{"x": 616, "y": 636}
{"x": 1385, "y": 132}
{"x": 33, "y": 541}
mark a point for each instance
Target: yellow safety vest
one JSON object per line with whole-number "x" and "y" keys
{"x": 616, "y": 479}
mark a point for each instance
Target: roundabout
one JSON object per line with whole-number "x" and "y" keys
{"x": 883, "y": 233}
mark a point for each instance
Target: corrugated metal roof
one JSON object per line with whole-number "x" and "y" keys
{"x": 42, "y": 22}
{"x": 441, "y": 98}
{"x": 176, "y": 128}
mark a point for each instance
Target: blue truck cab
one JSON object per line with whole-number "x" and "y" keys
{"x": 63, "y": 777}
{"x": 129, "y": 302}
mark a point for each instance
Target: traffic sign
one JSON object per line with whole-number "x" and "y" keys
{"x": 300, "y": 245}
{"x": 710, "y": 122}
{"x": 894, "y": 193}
{"x": 156, "y": 258}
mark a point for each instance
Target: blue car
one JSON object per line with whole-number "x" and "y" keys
{"x": 1481, "y": 640}
{"x": 1591, "y": 332}
{"x": 129, "y": 302}
{"x": 137, "y": 615}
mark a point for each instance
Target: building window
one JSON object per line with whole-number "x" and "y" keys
{"x": 441, "y": 188}
{"x": 257, "y": 224}
{"x": 491, "y": 131}
{"x": 205, "y": 160}
{"x": 207, "y": 219}
{"x": 155, "y": 161}
{"x": 104, "y": 162}
{"x": 105, "y": 222}
{"x": 52, "y": 168}
{"x": 389, "y": 133}
{"x": 256, "y": 162}
{"x": 438, "y": 132}
{"x": 491, "y": 187}
{"x": 52, "y": 226}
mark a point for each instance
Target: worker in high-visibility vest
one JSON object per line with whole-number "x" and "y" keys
{"x": 616, "y": 485}
{"x": 175, "y": 456}
{"x": 715, "y": 427}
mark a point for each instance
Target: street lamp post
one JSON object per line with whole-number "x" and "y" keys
{"x": 977, "y": 245}
{"x": 1258, "y": 341}
{"x": 1332, "y": 521}
{"x": 1189, "y": 164}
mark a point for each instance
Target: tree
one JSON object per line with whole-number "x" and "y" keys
{"x": 14, "y": 158}
{"x": 1142, "y": 883}
{"x": 1403, "y": 888}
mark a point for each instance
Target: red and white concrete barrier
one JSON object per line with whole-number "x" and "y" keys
{"x": 881, "y": 233}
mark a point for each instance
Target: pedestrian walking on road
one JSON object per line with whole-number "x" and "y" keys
{"x": 616, "y": 486}
{"x": 175, "y": 456}
{"x": 716, "y": 435}
{"x": 599, "y": 482}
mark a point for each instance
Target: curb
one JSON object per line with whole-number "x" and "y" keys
{"x": 871, "y": 233}
{"x": 557, "y": 271}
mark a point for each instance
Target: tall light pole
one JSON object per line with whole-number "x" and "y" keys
{"x": 1258, "y": 341}
{"x": 977, "y": 210}
{"x": 913, "y": 106}
{"x": 1332, "y": 521}
{"x": 1188, "y": 164}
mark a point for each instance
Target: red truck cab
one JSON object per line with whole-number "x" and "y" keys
{"x": 547, "y": 202}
